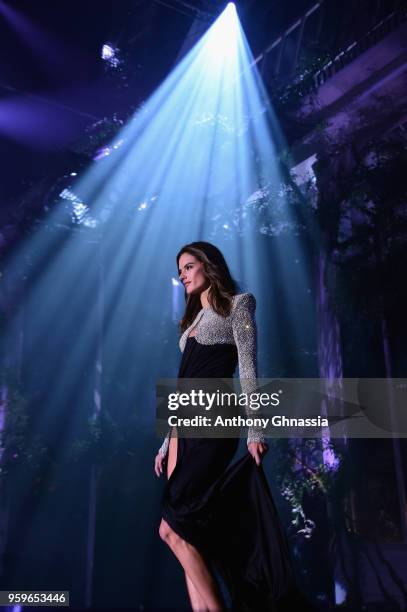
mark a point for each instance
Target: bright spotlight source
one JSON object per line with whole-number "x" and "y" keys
{"x": 223, "y": 36}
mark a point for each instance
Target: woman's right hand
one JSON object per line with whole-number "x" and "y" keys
{"x": 159, "y": 464}
{"x": 258, "y": 450}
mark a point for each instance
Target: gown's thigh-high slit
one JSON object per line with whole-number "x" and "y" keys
{"x": 172, "y": 456}
{"x": 194, "y": 593}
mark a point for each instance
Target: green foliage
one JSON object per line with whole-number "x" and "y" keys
{"x": 301, "y": 471}
{"x": 15, "y": 442}
{"x": 287, "y": 95}
{"x": 367, "y": 230}
{"x": 101, "y": 441}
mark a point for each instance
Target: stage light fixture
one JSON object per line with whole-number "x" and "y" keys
{"x": 110, "y": 55}
{"x": 107, "y": 52}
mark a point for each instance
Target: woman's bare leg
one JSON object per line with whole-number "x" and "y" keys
{"x": 197, "y": 603}
{"x": 202, "y": 589}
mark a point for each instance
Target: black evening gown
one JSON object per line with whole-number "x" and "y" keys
{"x": 226, "y": 510}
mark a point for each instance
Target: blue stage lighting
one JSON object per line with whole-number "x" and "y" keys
{"x": 197, "y": 161}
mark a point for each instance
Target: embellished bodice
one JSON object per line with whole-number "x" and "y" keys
{"x": 223, "y": 343}
{"x": 211, "y": 328}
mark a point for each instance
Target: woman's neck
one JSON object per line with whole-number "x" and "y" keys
{"x": 204, "y": 298}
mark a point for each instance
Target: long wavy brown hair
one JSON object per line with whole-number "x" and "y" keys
{"x": 223, "y": 286}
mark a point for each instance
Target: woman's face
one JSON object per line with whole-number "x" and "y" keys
{"x": 191, "y": 274}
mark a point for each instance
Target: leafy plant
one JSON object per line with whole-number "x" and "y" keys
{"x": 306, "y": 468}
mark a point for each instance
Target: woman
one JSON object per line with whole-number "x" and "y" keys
{"x": 218, "y": 518}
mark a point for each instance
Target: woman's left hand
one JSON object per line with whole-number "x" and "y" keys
{"x": 257, "y": 450}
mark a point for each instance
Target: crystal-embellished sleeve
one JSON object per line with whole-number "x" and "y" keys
{"x": 245, "y": 336}
{"x": 164, "y": 447}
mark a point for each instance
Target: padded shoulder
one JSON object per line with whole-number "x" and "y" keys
{"x": 244, "y": 300}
